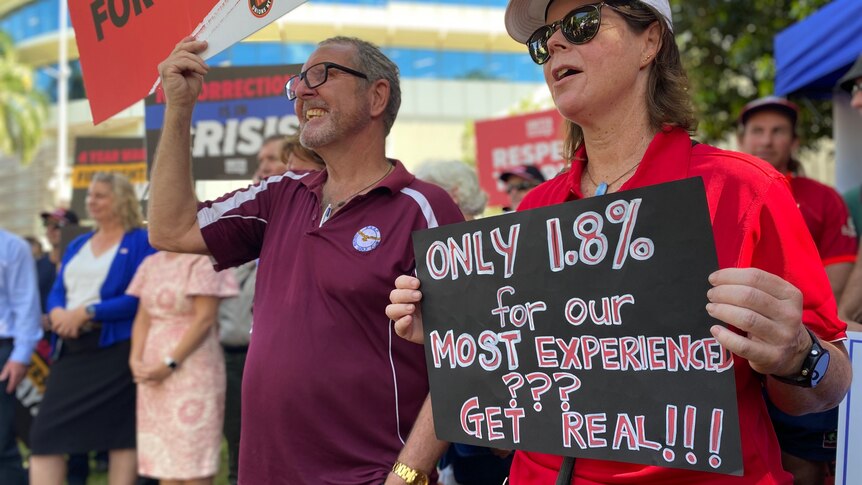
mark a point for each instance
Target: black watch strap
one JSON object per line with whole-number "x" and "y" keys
{"x": 813, "y": 367}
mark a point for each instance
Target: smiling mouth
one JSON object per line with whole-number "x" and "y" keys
{"x": 312, "y": 113}
{"x": 564, "y": 73}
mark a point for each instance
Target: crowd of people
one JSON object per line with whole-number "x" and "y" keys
{"x": 284, "y": 317}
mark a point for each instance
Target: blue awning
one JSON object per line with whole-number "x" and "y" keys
{"x": 811, "y": 55}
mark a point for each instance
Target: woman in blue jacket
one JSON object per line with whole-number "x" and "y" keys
{"x": 89, "y": 402}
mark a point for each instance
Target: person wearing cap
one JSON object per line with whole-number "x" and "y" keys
{"x": 46, "y": 266}
{"x": 852, "y": 83}
{"x": 615, "y": 74}
{"x": 767, "y": 129}
{"x": 519, "y": 181}
{"x": 850, "y": 305}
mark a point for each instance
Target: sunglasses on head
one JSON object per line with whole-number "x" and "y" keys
{"x": 578, "y": 26}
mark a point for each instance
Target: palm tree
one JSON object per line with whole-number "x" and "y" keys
{"x": 22, "y": 108}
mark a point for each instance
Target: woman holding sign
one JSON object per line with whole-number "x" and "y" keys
{"x": 615, "y": 74}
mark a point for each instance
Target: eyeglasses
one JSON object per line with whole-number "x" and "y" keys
{"x": 520, "y": 187}
{"x": 856, "y": 89}
{"x": 578, "y": 26}
{"x": 314, "y": 76}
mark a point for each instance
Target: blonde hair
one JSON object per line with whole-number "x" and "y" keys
{"x": 668, "y": 101}
{"x": 290, "y": 144}
{"x": 126, "y": 205}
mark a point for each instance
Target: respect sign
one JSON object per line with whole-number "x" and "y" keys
{"x": 580, "y": 329}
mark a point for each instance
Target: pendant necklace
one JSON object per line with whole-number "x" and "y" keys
{"x": 602, "y": 187}
{"x": 327, "y": 213}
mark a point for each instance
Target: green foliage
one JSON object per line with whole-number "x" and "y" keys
{"x": 727, "y": 49}
{"x": 22, "y": 108}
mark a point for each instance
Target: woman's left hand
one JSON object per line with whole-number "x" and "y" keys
{"x": 768, "y": 310}
{"x": 150, "y": 373}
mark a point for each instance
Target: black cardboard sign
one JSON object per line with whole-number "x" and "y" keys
{"x": 580, "y": 329}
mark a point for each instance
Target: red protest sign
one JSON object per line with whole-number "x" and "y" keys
{"x": 121, "y": 43}
{"x": 506, "y": 143}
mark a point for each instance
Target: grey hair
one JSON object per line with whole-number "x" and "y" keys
{"x": 460, "y": 180}
{"x": 374, "y": 63}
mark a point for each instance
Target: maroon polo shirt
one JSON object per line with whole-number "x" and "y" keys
{"x": 755, "y": 224}
{"x": 827, "y": 218}
{"x": 330, "y": 392}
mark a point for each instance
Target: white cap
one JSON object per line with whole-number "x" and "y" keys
{"x": 523, "y": 17}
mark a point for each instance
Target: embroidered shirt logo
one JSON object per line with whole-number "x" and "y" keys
{"x": 848, "y": 229}
{"x": 259, "y": 8}
{"x": 366, "y": 239}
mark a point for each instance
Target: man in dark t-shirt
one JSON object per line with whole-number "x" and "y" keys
{"x": 330, "y": 394}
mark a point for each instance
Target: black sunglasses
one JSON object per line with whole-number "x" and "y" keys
{"x": 314, "y": 76}
{"x": 856, "y": 88}
{"x": 578, "y": 26}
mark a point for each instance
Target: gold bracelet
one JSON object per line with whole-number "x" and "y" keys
{"x": 410, "y": 475}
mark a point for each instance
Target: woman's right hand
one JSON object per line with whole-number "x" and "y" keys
{"x": 136, "y": 366}
{"x": 66, "y": 323}
{"x": 405, "y": 309}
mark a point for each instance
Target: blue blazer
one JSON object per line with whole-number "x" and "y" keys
{"x": 116, "y": 311}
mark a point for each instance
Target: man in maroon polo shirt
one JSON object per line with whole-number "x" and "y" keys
{"x": 330, "y": 394}
{"x": 768, "y": 130}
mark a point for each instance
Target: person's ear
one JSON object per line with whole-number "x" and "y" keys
{"x": 379, "y": 97}
{"x": 652, "y": 43}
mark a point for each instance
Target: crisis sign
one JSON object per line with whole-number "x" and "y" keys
{"x": 507, "y": 143}
{"x": 238, "y": 108}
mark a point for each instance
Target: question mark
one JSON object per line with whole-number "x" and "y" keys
{"x": 538, "y": 390}
{"x": 513, "y": 388}
{"x": 566, "y": 390}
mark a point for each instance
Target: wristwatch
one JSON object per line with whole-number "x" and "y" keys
{"x": 410, "y": 475}
{"x": 813, "y": 367}
{"x": 91, "y": 311}
{"x": 171, "y": 363}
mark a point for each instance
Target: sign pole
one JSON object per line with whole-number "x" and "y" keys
{"x": 63, "y": 184}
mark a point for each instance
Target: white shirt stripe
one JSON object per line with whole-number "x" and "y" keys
{"x": 395, "y": 383}
{"x": 424, "y": 205}
{"x": 209, "y": 215}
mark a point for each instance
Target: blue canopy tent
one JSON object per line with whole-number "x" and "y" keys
{"x": 812, "y": 54}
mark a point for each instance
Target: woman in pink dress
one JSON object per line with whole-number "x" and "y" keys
{"x": 177, "y": 362}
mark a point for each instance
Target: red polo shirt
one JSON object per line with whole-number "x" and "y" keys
{"x": 330, "y": 392}
{"x": 827, "y": 218}
{"x": 756, "y": 224}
